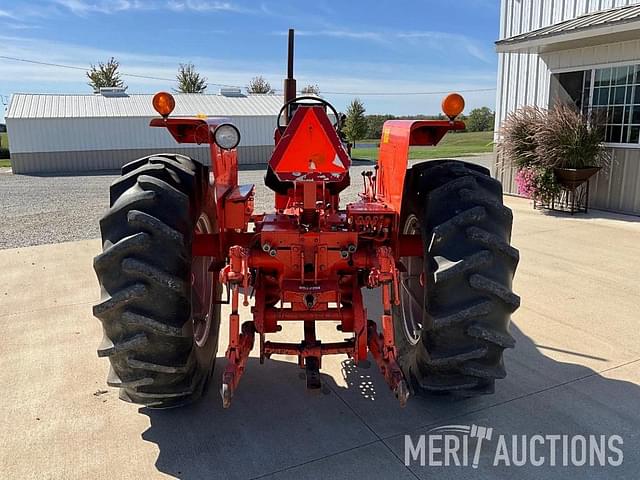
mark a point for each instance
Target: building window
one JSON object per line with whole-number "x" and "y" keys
{"x": 614, "y": 91}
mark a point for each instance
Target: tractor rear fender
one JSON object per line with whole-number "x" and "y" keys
{"x": 233, "y": 203}
{"x": 224, "y": 163}
{"x": 397, "y": 137}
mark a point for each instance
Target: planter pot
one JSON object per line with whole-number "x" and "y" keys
{"x": 574, "y": 192}
{"x": 572, "y": 178}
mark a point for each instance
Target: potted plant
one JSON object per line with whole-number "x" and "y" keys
{"x": 571, "y": 143}
{"x": 553, "y": 151}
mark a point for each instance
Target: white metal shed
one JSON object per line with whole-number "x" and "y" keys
{"x": 83, "y": 133}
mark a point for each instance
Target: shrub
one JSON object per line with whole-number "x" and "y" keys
{"x": 518, "y": 142}
{"x": 4, "y": 153}
{"x": 562, "y": 137}
{"x": 569, "y": 138}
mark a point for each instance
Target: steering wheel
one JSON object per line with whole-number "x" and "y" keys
{"x": 317, "y": 100}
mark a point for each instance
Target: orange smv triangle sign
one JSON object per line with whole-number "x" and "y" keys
{"x": 310, "y": 149}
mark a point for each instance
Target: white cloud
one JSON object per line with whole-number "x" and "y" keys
{"x": 84, "y": 7}
{"x": 440, "y": 41}
{"x": 205, "y": 6}
{"x": 448, "y": 41}
{"x": 6, "y": 14}
{"x": 358, "y": 35}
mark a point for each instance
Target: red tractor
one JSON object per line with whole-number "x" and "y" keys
{"x": 180, "y": 239}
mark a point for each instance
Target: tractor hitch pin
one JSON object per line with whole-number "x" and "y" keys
{"x": 364, "y": 183}
{"x": 374, "y": 183}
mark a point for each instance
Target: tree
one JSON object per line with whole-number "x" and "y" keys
{"x": 105, "y": 75}
{"x": 481, "y": 120}
{"x": 190, "y": 81}
{"x": 355, "y": 125}
{"x": 311, "y": 90}
{"x": 375, "y": 124}
{"x": 259, "y": 85}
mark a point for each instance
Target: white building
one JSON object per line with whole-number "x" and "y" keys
{"x": 587, "y": 51}
{"x": 83, "y": 133}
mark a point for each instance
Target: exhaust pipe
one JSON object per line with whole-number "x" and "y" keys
{"x": 289, "y": 82}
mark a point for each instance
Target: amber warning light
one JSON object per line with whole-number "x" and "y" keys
{"x": 164, "y": 103}
{"x": 453, "y": 105}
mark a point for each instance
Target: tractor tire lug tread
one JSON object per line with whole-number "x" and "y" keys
{"x": 490, "y": 372}
{"x": 155, "y": 367}
{"x": 109, "y": 348}
{"x": 457, "y": 358}
{"x": 113, "y": 380}
{"x": 154, "y": 275}
{"x": 503, "y": 340}
{"x": 119, "y": 299}
{"x": 141, "y": 322}
{"x": 493, "y": 288}
{"x": 140, "y": 219}
{"x": 462, "y": 316}
{"x": 493, "y": 242}
{"x": 445, "y": 230}
{"x": 130, "y": 244}
{"x": 450, "y": 270}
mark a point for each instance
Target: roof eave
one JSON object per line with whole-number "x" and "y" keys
{"x": 591, "y": 36}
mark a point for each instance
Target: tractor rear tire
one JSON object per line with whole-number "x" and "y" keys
{"x": 160, "y": 340}
{"x": 453, "y": 322}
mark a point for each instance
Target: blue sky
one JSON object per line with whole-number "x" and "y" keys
{"x": 359, "y": 46}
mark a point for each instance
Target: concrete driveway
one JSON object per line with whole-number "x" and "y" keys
{"x": 575, "y": 371}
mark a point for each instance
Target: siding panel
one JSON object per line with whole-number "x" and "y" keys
{"x": 75, "y": 134}
{"x": 105, "y": 160}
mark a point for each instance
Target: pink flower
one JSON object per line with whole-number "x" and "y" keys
{"x": 526, "y": 182}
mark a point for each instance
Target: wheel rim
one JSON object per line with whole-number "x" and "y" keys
{"x": 202, "y": 289}
{"x": 411, "y": 287}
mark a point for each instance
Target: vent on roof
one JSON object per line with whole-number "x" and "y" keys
{"x": 113, "y": 91}
{"x": 231, "y": 92}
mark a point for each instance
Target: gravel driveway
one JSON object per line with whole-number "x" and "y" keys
{"x": 36, "y": 210}
{"x": 41, "y": 210}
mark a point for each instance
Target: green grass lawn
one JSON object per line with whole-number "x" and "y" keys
{"x": 454, "y": 145}
{"x": 4, "y": 143}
